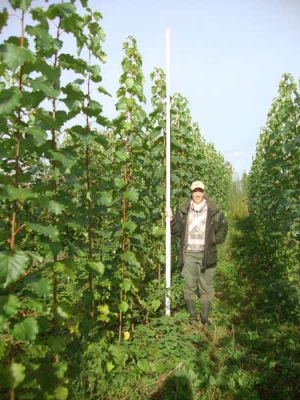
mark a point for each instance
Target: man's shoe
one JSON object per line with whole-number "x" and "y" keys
{"x": 193, "y": 320}
{"x": 205, "y": 307}
{"x": 207, "y": 325}
{"x": 190, "y": 306}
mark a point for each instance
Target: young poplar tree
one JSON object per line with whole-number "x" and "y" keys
{"x": 151, "y": 289}
{"x": 130, "y": 128}
{"x": 88, "y": 144}
{"x": 156, "y": 179}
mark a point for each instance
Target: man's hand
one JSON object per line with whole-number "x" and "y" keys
{"x": 170, "y": 213}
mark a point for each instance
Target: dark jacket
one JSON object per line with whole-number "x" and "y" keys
{"x": 215, "y": 232}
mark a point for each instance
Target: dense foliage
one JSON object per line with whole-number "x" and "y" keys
{"x": 82, "y": 230}
{"x": 82, "y": 200}
{"x": 238, "y": 196}
{"x": 274, "y": 185}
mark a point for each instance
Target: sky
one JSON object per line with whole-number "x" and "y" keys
{"x": 227, "y": 58}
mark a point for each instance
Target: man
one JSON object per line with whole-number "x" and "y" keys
{"x": 200, "y": 226}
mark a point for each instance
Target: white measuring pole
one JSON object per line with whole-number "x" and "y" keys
{"x": 168, "y": 177}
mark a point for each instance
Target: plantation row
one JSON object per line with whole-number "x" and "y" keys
{"x": 274, "y": 196}
{"x": 82, "y": 197}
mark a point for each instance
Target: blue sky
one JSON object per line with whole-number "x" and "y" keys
{"x": 227, "y": 58}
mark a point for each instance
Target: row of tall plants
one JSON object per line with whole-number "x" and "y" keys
{"x": 82, "y": 196}
{"x": 274, "y": 197}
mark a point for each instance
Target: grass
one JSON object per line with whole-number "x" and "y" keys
{"x": 251, "y": 351}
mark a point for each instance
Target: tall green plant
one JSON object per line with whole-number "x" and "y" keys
{"x": 156, "y": 165}
{"x": 274, "y": 178}
{"x": 130, "y": 129}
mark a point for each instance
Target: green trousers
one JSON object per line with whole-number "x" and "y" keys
{"x": 197, "y": 281}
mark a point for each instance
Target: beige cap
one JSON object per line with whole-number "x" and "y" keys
{"x": 196, "y": 185}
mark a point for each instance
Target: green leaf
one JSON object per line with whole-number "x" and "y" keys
{"x": 45, "y": 43}
{"x": 33, "y": 304}
{"x": 132, "y": 195}
{"x": 55, "y": 208}
{"x": 126, "y": 284}
{"x": 46, "y": 230}
{"x": 9, "y": 305}
{"x": 22, "y": 4}
{"x": 12, "y": 266}
{"x": 61, "y": 393}
{"x": 95, "y": 73}
{"x": 50, "y": 71}
{"x": 109, "y": 366}
{"x": 119, "y": 183}
{"x": 76, "y": 64}
{"x": 38, "y": 14}
{"x": 155, "y": 304}
{"x": 34, "y": 256}
{"x": 62, "y": 313}
{"x": 66, "y": 159}
{"x": 93, "y": 109}
{"x": 45, "y": 119}
{"x": 15, "y": 56}
{"x": 26, "y": 330}
{"x": 121, "y": 155}
{"x": 119, "y": 353}
{"x": 84, "y": 3}
{"x": 158, "y": 231}
{"x": 61, "y": 10}
{"x": 39, "y": 135}
{"x": 104, "y": 199}
{"x": 123, "y": 306}
{"x": 13, "y": 375}
{"x": 73, "y": 93}
{"x": 3, "y": 18}
{"x": 103, "y": 309}
{"x": 43, "y": 85}
{"x": 130, "y": 258}
{"x": 129, "y": 225}
{"x": 9, "y": 100}
{"x": 143, "y": 365}
{"x": 57, "y": 343}
{"x": 19, "y": 193}
{"x": 74, "y": 24}
{"x": 128, "y": 126}
{"x": 60, "y": 369}
{"x": 29, "y": 101}
{"x": 41, "y": 287}
{"x": 102, "y": 90}
{"x": 122, "y": 104}
{"x": 162, "y": 258}
{"x": 129, "y": 83}
{"x": 97, "y": 267}
{"x": 67, "y": 267}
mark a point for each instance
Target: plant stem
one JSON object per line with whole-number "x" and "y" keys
{"x": 125, "y": 243}
{"x": 11, "y": 394}
{"x": 88, "y": 187}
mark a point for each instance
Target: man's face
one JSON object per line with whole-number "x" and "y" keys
{"x": 197, "y": 195}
